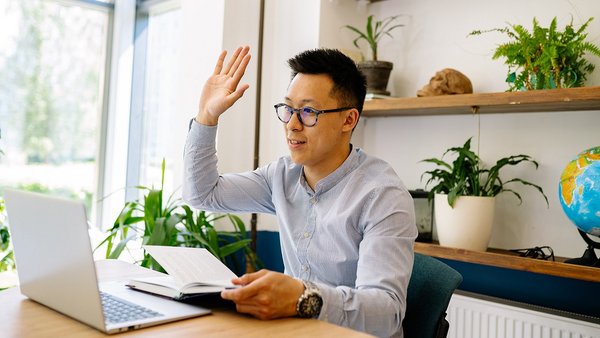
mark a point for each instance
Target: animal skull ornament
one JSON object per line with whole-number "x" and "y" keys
{"x": 447, "y": 81}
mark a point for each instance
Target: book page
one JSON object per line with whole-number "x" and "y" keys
{"x": 191, "y": 265}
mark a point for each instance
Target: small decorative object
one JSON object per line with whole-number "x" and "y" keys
{"x": 377, "y": 72}
{"x": 464, "y": 194}
{"x": 423, "y": 215}
{"x": 545, "y": 58}
{"x": 579, "y": 196}
{"x": 447, "y": 81}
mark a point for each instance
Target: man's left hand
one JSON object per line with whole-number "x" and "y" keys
{"x": 266, "y": 294}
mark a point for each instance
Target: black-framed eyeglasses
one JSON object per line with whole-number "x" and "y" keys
{"x": 540, "y": 252}
{"x": 307, "y": 115}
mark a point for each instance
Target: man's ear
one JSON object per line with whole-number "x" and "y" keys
{"x": 351, "y": 120}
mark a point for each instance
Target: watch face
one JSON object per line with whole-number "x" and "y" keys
{"x": 310, "y": 305}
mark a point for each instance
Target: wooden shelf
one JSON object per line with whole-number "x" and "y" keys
{"x": 568, "y": 99}
{"x": 511, "y": 261}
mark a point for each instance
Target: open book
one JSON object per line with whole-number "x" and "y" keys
{"x": 191, "y": 272}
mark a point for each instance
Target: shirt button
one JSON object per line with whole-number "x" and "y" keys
{"x": 306, "y": 234}
{"x": 313, "y": 200}
{"x": 304, "y": 268}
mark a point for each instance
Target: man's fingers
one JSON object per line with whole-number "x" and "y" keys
{"x": 250, "y": 277}
{"x": 232, "y": 61}
{"x": 239, "y": 73}
{"x": 238, "y": 295}
{"x": 238, "y": 60}
{"x": 219, "y": 64}
{"x": 249, "y": 289}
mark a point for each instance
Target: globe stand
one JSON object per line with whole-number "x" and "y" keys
{"x": 589, "y": 257}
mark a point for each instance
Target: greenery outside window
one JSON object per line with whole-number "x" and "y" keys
{"x": 53, "y": 56}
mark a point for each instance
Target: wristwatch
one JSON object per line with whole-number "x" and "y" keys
{"x": 310, "y": 302}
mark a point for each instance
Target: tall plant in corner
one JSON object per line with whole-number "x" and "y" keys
{"x": 545, "y": 58}
{"x": 171, "y": 222}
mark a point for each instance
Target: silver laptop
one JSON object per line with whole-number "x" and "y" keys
{"x": 56, "y": 268}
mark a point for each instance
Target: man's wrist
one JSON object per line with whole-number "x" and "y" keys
{"x": 310, "y": 302}
{"x": 206, "y": 120}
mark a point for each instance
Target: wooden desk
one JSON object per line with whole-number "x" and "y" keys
{"x": 21, "y": 317}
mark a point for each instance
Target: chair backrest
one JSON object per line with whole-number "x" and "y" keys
{"x": 429, "y": 290}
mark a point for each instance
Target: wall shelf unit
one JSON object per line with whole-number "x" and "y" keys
{"x": 508, "y": 260}
{"x": 506, "y": 275}
{"x": 552, "y": 100}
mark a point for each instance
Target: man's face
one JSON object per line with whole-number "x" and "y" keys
{"x": 324, "y": 146}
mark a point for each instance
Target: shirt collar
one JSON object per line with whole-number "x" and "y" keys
{"x": 335, "y": 177}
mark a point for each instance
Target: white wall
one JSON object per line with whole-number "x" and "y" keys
{"x": 290, "y": 27}
{"x": 437, "y": 38}
{"x": 209, "y": 28}
{"x": 201, "y": 43}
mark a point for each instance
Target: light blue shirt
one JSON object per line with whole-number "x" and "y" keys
{"x": 353, "y": 235}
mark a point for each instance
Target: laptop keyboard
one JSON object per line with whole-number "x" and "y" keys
{"x": 119, "y": 311}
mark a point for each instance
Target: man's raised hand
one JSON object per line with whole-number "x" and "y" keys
{"x": 222, "y": 89}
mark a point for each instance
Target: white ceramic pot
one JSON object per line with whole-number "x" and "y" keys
{"x": 468, "y": 225}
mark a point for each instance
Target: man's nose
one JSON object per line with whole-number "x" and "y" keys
{"x": 294, "y": 123}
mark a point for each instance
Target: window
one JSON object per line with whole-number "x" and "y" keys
{"x": 156, "y": 74}
{"x": 52, "y": 71}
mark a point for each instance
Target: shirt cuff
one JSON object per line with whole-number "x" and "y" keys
{"x": 333, "y": 304}
{"x": 202, "y": 134}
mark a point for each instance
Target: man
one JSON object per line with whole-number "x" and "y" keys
{"x": 346, "y": 221}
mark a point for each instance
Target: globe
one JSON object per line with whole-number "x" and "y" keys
{"x": 579, "y": 191}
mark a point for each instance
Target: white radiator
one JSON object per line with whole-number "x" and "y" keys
{"x": 471, "y": 317}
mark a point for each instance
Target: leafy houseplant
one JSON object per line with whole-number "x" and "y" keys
{"x": 466, "y": 177}
{"x": 173, "y": 223}
{"x": 377, "y": 72}
{"x": 545, "y": 58}
{"x": 464, "y": 196}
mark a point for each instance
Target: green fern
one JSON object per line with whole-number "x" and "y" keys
{"x": 545, "y": 58}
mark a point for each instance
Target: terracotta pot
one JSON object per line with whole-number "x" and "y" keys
{"x": 377, "y": 74}
{"x": 466, "y": 226}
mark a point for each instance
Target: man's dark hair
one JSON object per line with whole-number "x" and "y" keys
{"x": 349, "y": 84}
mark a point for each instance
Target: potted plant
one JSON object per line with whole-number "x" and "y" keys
{"x": 173, "y": 223}
{"x": 545, "y": 58}
{"x": 464, "y": 196}
{"x": 377, "y": 72}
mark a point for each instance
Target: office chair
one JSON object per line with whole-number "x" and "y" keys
{"x": 429, "y": 290}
